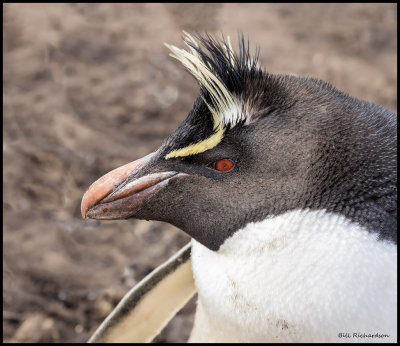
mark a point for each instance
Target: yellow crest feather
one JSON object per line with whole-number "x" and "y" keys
{"x": 222, "y": 101}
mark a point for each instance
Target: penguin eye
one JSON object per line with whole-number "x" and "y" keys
{"x": 223, "y": 165}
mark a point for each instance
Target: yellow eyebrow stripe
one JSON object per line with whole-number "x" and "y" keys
{"x": 203, "y": 145}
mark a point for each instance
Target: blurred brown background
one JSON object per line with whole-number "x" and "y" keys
{"x": 89, "y": 87}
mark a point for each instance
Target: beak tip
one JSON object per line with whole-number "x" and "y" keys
{"x": 87, "y": 202}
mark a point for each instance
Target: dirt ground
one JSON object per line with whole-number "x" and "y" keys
{"x": 89, "y": 87}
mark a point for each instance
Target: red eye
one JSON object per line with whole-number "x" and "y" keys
{"x": 224, "y": 165}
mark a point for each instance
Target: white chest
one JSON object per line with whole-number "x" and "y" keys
{"x": 304, "y": 276}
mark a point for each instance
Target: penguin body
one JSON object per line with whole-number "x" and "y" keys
{"x": 288, "y": 188}
{"x": 303, "y": 276}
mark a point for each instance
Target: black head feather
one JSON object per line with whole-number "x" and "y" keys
{"x": 252, "y": 92}
{"x": 233, "y": 70}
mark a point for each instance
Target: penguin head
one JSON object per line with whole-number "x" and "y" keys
{"x": 254, "y": 145}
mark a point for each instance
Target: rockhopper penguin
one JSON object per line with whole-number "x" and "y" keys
{"x": 287, "y": 187}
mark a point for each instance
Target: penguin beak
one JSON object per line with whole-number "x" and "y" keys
{"x": 117, "y": 195}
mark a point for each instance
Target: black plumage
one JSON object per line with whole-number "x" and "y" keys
{"x": 299, "y": 144}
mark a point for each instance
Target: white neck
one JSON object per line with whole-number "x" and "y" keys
{"x": 304, "y": 276}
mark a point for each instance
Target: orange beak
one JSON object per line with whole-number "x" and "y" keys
{"x": 115, "y": 196}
